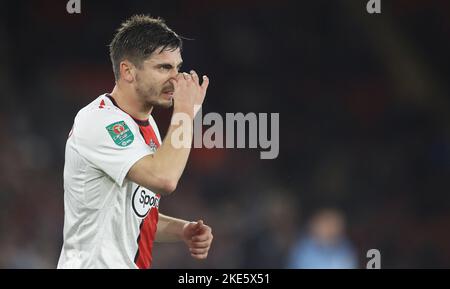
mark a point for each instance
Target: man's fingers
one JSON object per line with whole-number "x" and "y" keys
{"x": 199, "y": 244}
{"x": 199, "y": 256}
{"x": 187, "y": 76}
{"x": 203, "y": 244}
{"x": 179, "y": 76}
{"x": 198, "y": 250}
{"x": 192, "y": 96}
{"x": 205, "y": 82}
{"x": 194, "y": 76}
{"x": 197, "y": 226}
{"x": 201, "y": 238}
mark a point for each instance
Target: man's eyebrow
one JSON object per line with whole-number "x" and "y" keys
{"x": 168, "y": 65}
{"x": 164, "y": 64}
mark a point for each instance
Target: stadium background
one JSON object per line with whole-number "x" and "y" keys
{"x": 364, "y": 124}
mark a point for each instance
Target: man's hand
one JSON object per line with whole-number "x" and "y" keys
{"x": 188, "y": 92}
{"x": 161, "y": 171}
{"x": 198, "y": 238}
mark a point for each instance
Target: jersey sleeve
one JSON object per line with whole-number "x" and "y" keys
{"x": 110, "y": 142}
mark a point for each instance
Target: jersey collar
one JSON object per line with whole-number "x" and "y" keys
{"x": 141, "y": 122}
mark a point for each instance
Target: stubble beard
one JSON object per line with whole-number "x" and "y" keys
{"x": 153, "y": 98}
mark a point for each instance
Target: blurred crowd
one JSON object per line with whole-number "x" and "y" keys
{"x": 364, "y": 128}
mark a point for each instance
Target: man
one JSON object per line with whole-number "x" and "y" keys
{"x": 325, "y": 245}
{"x": 116, "y": 166}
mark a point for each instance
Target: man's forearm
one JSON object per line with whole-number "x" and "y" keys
{"x": 169, "y": 229}
{"x": 161, "y": 171}
{"x": 170, "y": 157}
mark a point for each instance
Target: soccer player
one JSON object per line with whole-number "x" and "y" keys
{"x": 116, "y": 165}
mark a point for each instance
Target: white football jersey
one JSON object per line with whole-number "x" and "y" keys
{"x": 109, "y": 221}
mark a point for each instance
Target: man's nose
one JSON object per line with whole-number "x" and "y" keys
{"x": 174, "y": 73}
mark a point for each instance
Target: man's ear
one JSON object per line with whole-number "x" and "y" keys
{"x": 127, "y": 71}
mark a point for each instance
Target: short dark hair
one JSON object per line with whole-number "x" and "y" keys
{"x": 138, "y": 37}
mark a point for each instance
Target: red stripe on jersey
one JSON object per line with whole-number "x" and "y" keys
{"x": 143, "y": 258}
{"x": 149, "y": 134}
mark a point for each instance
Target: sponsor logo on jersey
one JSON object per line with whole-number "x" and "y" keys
{"x": 153, "y": 145}
{"x": 143, "y": 200}
{"x": 120, "y": 133}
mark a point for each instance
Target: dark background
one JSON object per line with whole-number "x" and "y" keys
{"x": 364, "y": 124}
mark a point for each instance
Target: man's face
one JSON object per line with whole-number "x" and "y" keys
{"x": 153, "y": 77}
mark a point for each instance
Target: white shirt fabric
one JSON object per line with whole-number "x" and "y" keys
{"x": 105, "y": 213}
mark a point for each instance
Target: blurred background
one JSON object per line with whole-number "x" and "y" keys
{"x": 364, "y": 109}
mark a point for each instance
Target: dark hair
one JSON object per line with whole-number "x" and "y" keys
{"x": 138, "y": 37}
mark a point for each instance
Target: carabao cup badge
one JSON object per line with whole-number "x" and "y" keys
{"x": 120, "y": 133}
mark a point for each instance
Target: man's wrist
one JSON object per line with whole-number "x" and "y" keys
{"x": 183, "y": 225}
{"x": 184, "y": 108}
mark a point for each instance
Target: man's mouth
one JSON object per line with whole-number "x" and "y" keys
{"x": 168, "y": 94}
